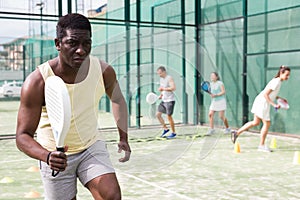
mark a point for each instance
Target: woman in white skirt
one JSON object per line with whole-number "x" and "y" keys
{"x": 218, "y": 102}
{"x": 261, "y": 107}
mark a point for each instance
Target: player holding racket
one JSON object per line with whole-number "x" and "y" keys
{"x": 167, "y": 88}
{"x": 218, "y": 103}
{"x": 87, "y": 80}
{"x": 261, "y": 107}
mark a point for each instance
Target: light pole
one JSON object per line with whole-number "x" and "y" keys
{"x": 41, "y": 5}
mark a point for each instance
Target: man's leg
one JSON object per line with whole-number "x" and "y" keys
{"x": 64, "y": 185}
{"x": 105, "y": 187}
{"x": 161, "y": 120}
{"x": 96, "y": 172}
{"x": 169, "y": 112}
{"x": 171, "y": 121}
{"x": 160, "y": 110}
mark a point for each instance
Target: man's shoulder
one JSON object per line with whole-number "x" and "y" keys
{"x": 33, "y": 86}
{"x": 102, "y": 63}
{"x": 34, "y": 77}
{"x": 169, "y": 77}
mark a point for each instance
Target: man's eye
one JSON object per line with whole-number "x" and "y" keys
{"x": 88, "y": 43}
{"x": 72, "y": 43}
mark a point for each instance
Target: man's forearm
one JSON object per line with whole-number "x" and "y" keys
{"x": 30, "y": 147}
{"x": 121, "y": 118}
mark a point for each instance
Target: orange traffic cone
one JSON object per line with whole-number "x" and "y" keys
{"x": 32, "y": 195}
{"x": 237, "y": 148}
{"x": 33, "y": 169}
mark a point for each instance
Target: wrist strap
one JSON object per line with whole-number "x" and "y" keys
{"x": 48, "y": 157}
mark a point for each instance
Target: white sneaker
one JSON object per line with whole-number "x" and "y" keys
{"x": 227, "y": 131}
{"x": 264, "y": 148}
{"x": 210, "y": 131}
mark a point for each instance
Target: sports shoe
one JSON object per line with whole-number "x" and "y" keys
{"x": 210, "y": 131}
{"x": 173, "y": 135}
{"x": 227, "y": 131}
{"x": 234, "y": 136}
{"x": 164, "y": 132}
{"x": 264, "y": 148}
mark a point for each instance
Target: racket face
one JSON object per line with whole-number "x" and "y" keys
{"x": 205, "y": 86}
{"x": 58, "y": 108}
{"x": 151, "y": 98}
{"x": 283, "y": 104}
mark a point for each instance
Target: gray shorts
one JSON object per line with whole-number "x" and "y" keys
{"x": 166, "y": 107}
{"x": 85, "y": 166}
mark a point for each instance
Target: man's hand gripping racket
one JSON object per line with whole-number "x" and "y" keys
{"x": 59, "y": 110}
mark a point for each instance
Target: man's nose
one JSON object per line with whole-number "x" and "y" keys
{"x": 80, "y": 50}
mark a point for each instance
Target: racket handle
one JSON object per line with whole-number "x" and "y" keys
{"x": 62, "y": 149}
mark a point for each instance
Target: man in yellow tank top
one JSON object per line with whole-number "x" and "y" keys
{"x": 87, "y": 79}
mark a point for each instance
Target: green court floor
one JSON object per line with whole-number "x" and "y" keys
{"x": 175, "y": 169}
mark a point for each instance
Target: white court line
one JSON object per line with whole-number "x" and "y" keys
{"x": 157, "y": 186}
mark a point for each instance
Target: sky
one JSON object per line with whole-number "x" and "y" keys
{"x": 20, "y": 28}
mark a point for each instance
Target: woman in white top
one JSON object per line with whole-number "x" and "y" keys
{"x": 218, "y": 102}
{"x": 261, "y": 107}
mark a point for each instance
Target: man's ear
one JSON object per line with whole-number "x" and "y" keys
{"x": 57, "y": 44}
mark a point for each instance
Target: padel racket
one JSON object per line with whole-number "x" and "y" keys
{"x": 59, "y": 110}
{"x": 283, "y": 104}
{"x": 151, "y": 98}
{"x": 205, "y": 86}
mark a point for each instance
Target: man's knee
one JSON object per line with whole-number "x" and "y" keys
{"x": 113, "y": 195}
{"x": 158, "y": 114}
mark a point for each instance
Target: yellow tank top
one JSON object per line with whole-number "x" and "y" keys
{"x": 85, "y": 97}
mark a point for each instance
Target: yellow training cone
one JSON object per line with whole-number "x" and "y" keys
{"x": 273, "y": 144}
{"x": 32, "y": 195}
{"x": 296, "y": 160}
{"x": 6, "y": 180}
{"x": 33, "y": 169}
{"x": 237, "y": 148}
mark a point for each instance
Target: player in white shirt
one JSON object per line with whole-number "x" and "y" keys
{"x": 261, "y": 107}
{"x": 167, "y": 88}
